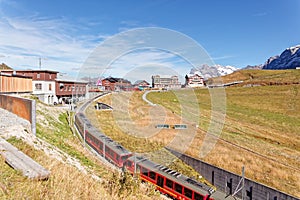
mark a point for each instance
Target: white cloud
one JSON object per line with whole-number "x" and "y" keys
{"x": 260, "y": 14}
{"x": 125, "y": 51}
{"x": 24, "y": 40}
{"x": 142, "y": 64}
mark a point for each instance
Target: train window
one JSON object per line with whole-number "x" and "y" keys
{"x": 188, "y": 193}
{"x": 198, "y": 196}
{"x": 169, "y": 183}
{"x": 118, "y": 157}
{"x": 178, "y": 188}
{"x": 152, "y": 175}
{"x": 138, "y": 169}
{"x": 129, "y": 163}
{"x": 145, "y": 171}
{"x": 124, "y": 158}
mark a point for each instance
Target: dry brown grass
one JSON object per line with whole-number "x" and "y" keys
{"x": 65, "y": 182}
{"x": 87, "y": 178}
{"x": 260, "y": 132}
{"x": 262, "y": 121}
{"x": 152, "y": 146}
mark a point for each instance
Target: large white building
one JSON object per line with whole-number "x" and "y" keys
{"x": 165, "y": 82}
{"x": 194, "y": 80}
{"x": 43, "y": 84}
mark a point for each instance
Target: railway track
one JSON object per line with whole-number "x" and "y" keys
{"x": 167, "y": 181}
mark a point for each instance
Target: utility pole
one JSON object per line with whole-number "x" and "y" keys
{"x": 40, "y": 63}
{"x": 241, "y": 185}
{"x": 84, "y": 135}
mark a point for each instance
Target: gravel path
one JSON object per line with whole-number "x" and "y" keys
{"x": 12, "y": 125}
{"x": 145, "y": 97}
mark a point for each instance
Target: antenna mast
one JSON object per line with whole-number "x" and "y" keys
{"x": 40, "y": 62}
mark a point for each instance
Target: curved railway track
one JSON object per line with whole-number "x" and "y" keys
{"x": 167, "y": 181}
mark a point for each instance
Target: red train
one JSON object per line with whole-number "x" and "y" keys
{"x": 167, "y": 181}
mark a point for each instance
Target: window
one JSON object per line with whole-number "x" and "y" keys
{"x": 50, "y": 76}
{"x": 129, "y": 163}
{"x": 198, "y": 196}
{"x": 38, "y": 86}
{"x": 152, "y": 175}
{"x": 188, "y": 193}
{"x": 38, "y": 76}
{"x": 169, "y": 183}
{"x": 145, "y": 171}
{"x": 50, "y": 87}
{"x": 178, "y": 188}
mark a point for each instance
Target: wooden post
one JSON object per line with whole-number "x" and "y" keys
{"x": 104, "y": 148}
{"x": 84, "y": 135}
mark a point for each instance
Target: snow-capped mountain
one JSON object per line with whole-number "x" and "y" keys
{"x": 289, "y": 59}
{"x": 213, "y": 71}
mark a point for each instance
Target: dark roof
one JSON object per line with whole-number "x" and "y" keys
{"x": 140, "y": 81}
{"x": 3, "y": 73}
{"x": 37, "y": 70}
{"x": 117, "y": 80}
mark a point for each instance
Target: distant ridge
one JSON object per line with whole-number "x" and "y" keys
{"x": 288, "y": 59}
{"x": 213, "y": 71}
{"x": 3, "y": 66}
{"x": 253, "y": 67}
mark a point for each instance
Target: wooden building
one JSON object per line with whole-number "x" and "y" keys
{"x": 141, "y": 85}
{"x": 13, "y": 83}
{"x": 116, "y": 84}
{"x": 67, "y": 89}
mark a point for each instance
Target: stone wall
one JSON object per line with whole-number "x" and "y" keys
{"x": 227, "y": 182}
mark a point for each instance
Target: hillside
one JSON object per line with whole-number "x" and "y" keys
{"x": 3, "y": 66}
{"x": 260, "y": 132}
{"x": 75, "y": 172}
{"x": 288, "y": 59}
{"x": 256, "y": 77}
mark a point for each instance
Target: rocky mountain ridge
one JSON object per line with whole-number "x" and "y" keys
{"x": 288, "y": 59}
{"x": 213, "y": 71}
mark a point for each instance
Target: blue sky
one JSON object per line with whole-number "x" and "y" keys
{"x": 65, "y": 33}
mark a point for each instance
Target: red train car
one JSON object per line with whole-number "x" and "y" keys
{"x": 169, "y": 182}
{"x": 102, "y": 144}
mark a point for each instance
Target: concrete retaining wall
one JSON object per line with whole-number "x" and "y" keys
{"x": 227, "y": 182}
{"x": 24, "y": 108}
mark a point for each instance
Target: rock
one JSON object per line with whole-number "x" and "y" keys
{"x": 289, "y": 59}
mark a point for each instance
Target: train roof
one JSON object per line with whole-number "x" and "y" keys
{"x": 173, "y": 175}
{"x": 119, "y": 149}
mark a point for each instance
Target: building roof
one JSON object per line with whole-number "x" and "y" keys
{"x": 4, "y": 73}
{"x": 166, "y": 76}
{"x": 37, "y": 70}
{"x": 140, "y": 81}
{"x": 197, "y": 73}
{"x": 69, "y": 79}
{"x": 114, "y": 80}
